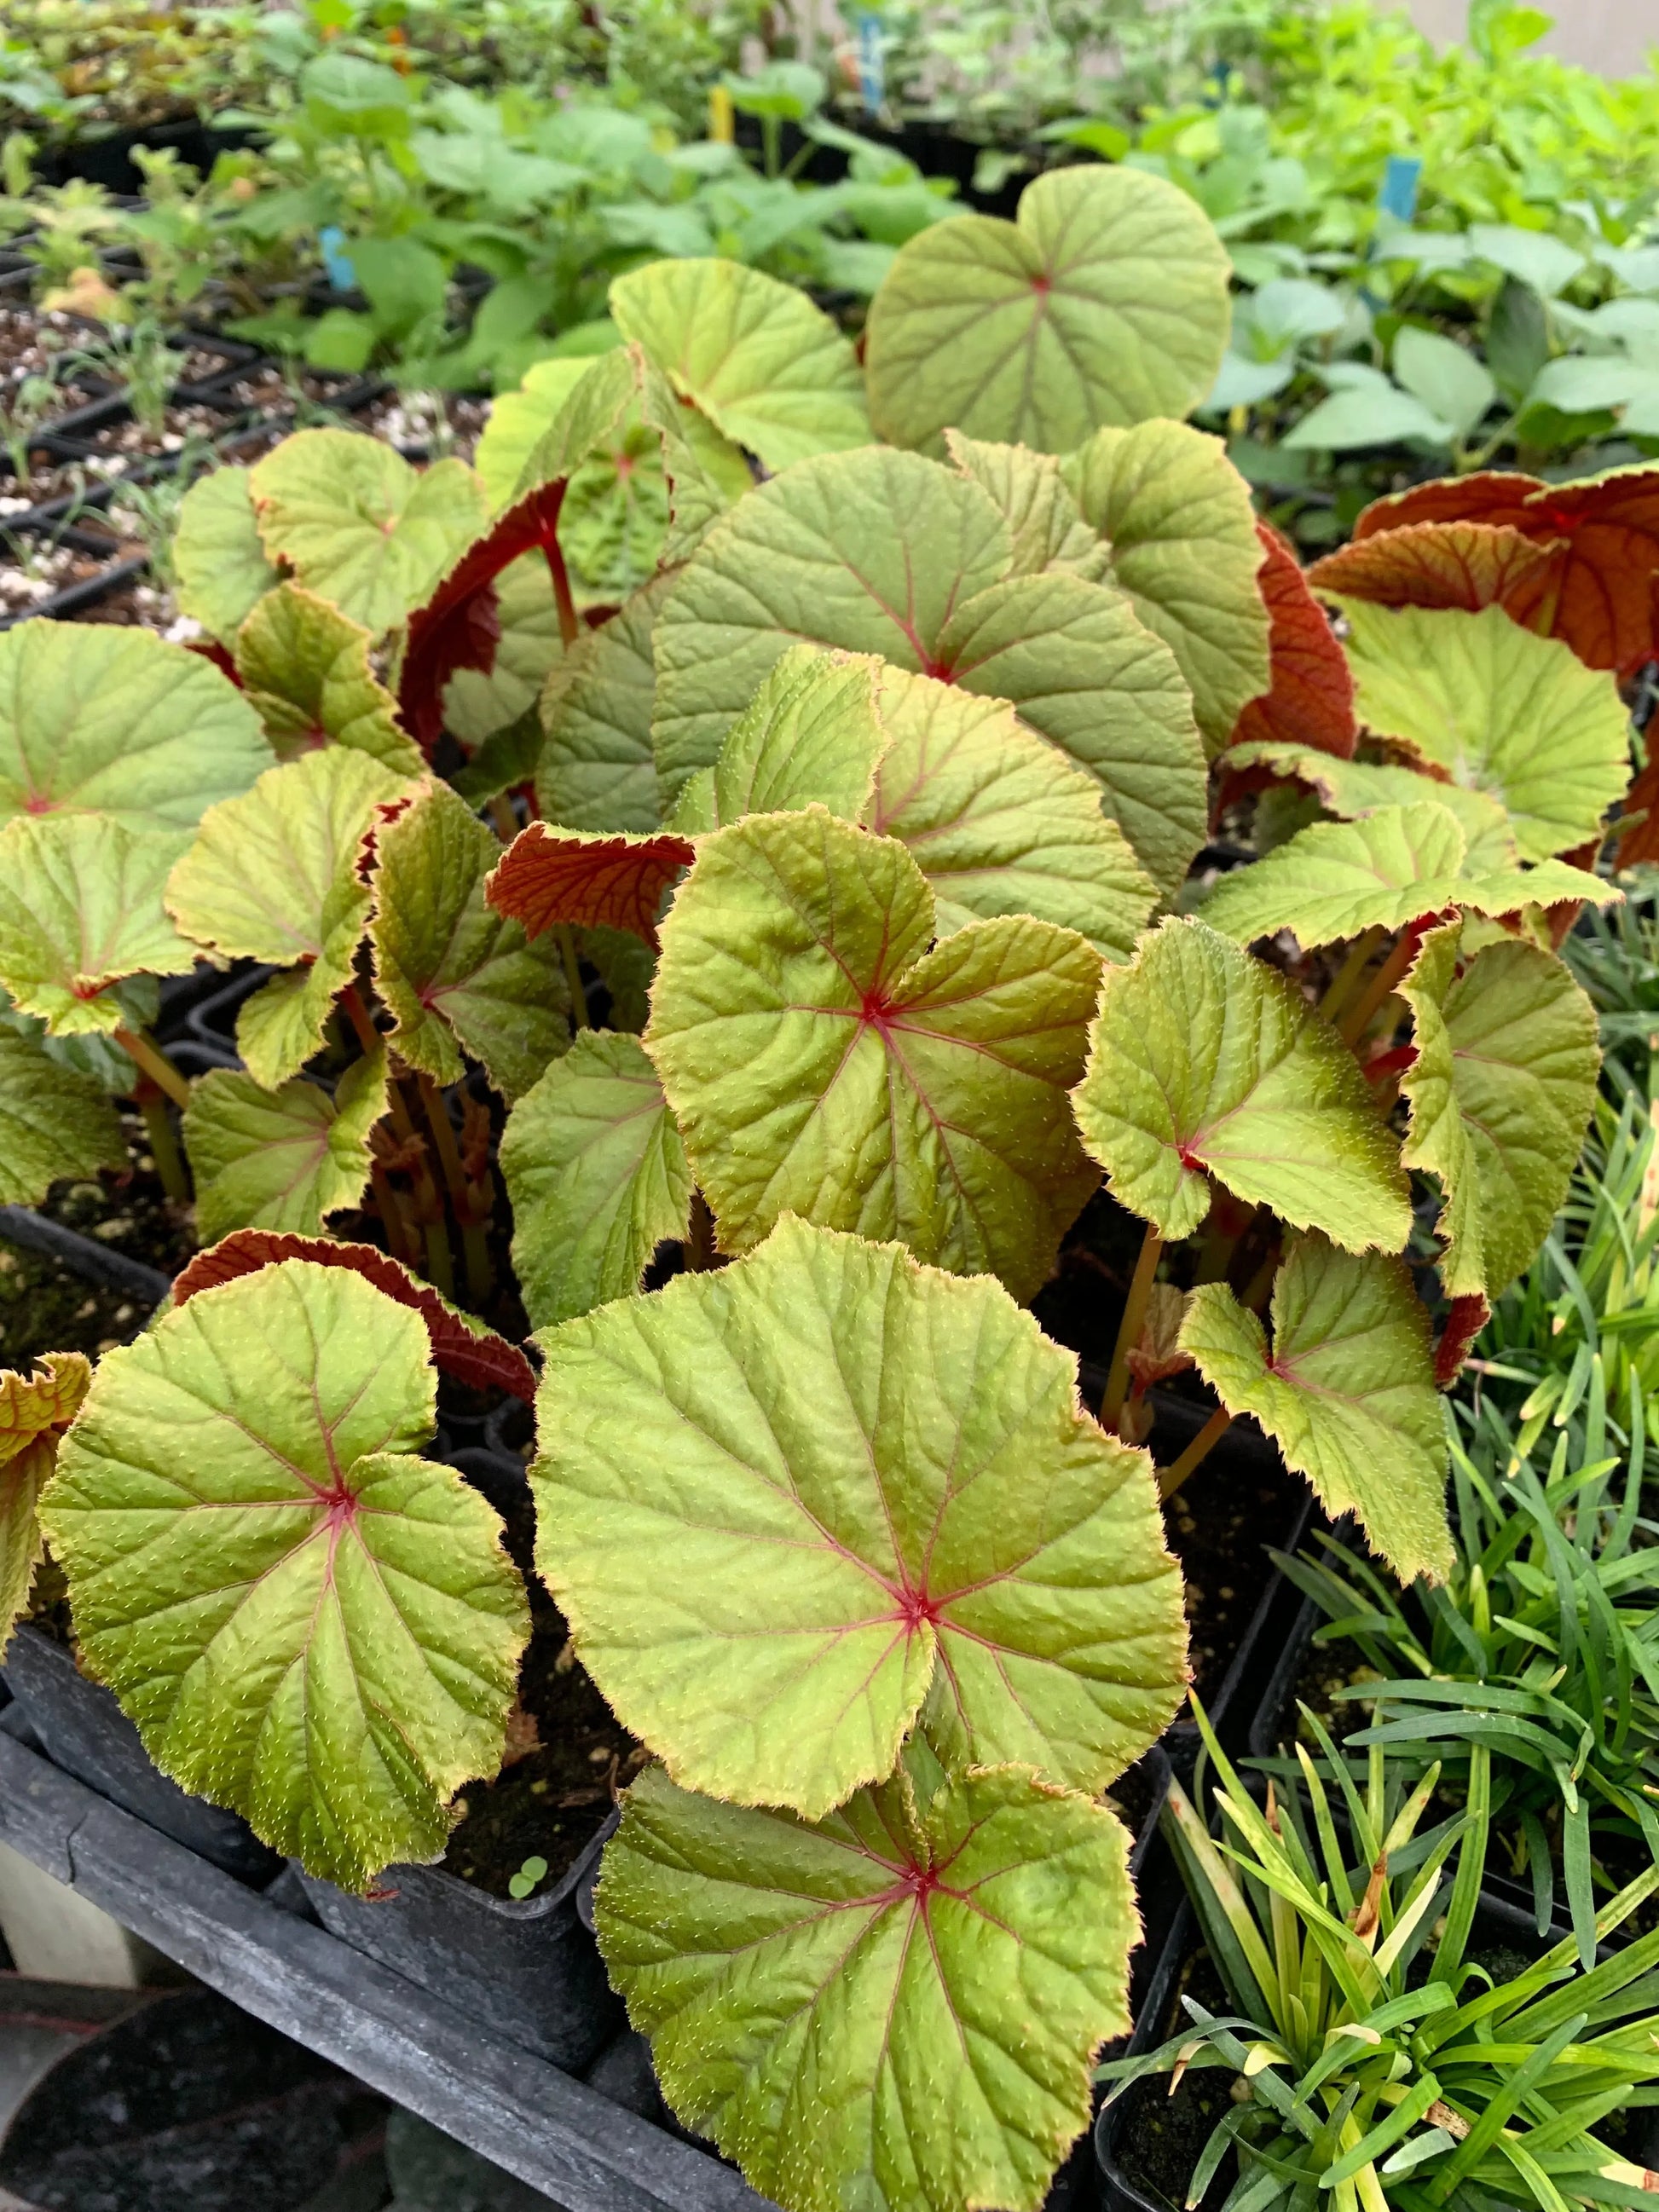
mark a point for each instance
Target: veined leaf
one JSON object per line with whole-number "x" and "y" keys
{"x": 1309, "y": 698}
{"x": 1106, "y": 303}
{"x": 1347, "y": 1392}
{"x": 781, "y": 1503}
{"x": 54, "y": 1122}
{"x": 898, "y": 1995}
{"x": 549, "y": 876}
{"x": 1496, "y": 708}
{"x": 306, "y": 1622}
{"x": 218, "y": 555}
{"x": 35, "y": 1411}
{"x": 1177, "y": 517}
{"x": 1337, "y": 879}
{"x": 596, "y": 1175}
{"x": 359, "y": 525}
{"x": 769, "y": 369}
{"x": 99, "y": 720}
{"x": 597, "y": 770}
{"x": 1500, "y": 1092}
{"x": 821, "y": 1060}
{"x": 811, "y": 736}
{"x": 1204, "y": 1062}
{"x": 527, "y": 650}
{"x": 454, "y": 972}
{"x": 1030, "y": 492}
{"x": 1355, "y": 788}
{"x": 287, "y": 1157}
{"x": 518, "y": 420}
{"x": 1469, "y": 565}
{"x": 305, "y": 666}
{"x": 80, "y": 911}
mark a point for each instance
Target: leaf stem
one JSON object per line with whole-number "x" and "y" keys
{"x": 351, "y": 999}
{"x": 573, "y": 970}
{"x": 149, "y": 1060}
{"x": 439, "y": 1268}
{"x": 1349, "y": 973}
{"x": 1128, "y": 1329}
{"x": 570, "y": 627}
{"x": 1171, "y": 1477}
{"x": 158, "y": 1125}
{"x": 474, "y": 1243}
{"x": 399, "y": 1242}
{"x": 1353, "y": 1024}
{"x": 502, "y": 818}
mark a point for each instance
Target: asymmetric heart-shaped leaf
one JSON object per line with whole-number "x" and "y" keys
{"x": 781, "y": 1503}
{"x": 1347, "y": 1392}
{"x": 284, "y": 1158}
{"x": 96, "y": 718}
{"x": 54, "y": 1122}
{"x": 1030, "y": 492}
{"x": 1105, "y": 302}
{"x": 1309, "y": 698}
{"x": 81, "y": 910}
{"x": 590, "y": 881}
{"x": 1336, "y": 879}
{"x": 1469, "y": 565}
{"x": 1177, "y": 516}
{"x": 769, "y": 369}
{"x": 1205, "y": 1061}
{"x": 1500, "y": 1092}
{"x": 1518, "y": 716}
{"x": 456, "y": 974}
{"x": 218, "y": 555}
{"x": 855, "y": 2011}
{"x": 1353, "y": 788}
{"x": 306, "y": 1622}
{"x": 273, "y": 876}
{"x": 305, "y": 666}
{"x": 597, "y": 770}
{"x": 35, "y": 1411}
{"x": 359, "y": 525}
{"x": 821, "y": 1060}
{"x": 596, "y": 1175}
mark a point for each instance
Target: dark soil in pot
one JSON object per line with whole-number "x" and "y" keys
{"x": 1219, "y": 1525}
{"x": 46, "y": 1306}
{"x": 34, "y": 571}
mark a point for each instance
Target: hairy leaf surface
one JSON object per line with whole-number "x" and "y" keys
{"x": 54, "y": 1122}
{"x": 1469, "y": 565}
{"x": 1310, "y": 697}
{"x": 597, "y": 770}
{"x": 1355, "y": 788}
{"x": 80, "y": 911}
{"x": 306, "y": 668}
{"x": 550, "y": 876}
{"x": 282, "y": 1158}
{"x": 1031, "y": 493}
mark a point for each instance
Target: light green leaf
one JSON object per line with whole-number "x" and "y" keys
{"x": 1451, "y": 380}
{"x": 453, "y": 972}
{"x": 273, "y": 876}
{"x": 1337, "y": 879}
{"x": 851, "y": 2032}
{"x": 359, "y": 525}
{"x": 596, "y": 1175}
{"x": 597, "y": 770}
{"x": 781, "y": 1502}
{"x": 218, "y": 555}
{"x": 1205, "y": 1061}
{"x": 54, "y": 1122}
{"x": 1106, "y": 303}
{"x": 1508, "y": 713}
{"x": 287, "y": 1158}
{"x": 530, "y": 647}
{"x": 306, "y": 668}
{"x": 80, "y": 911}
{"x": 1029, "y": 491}
{"x": 627, "y": 967}
{"x": 1350, "y": 420}
{"x": 517, "y": 421}
{"x": 1348, "y": 1394}
{"x": 1353, "y": 788}
{"x": 306, "y": 1622}
{"x": 96, "y": 718}
{"x": 1177, "y": 517}
{"x": 821, "y": 1060}
{"x": 1500, "y": 1092}
{"x": 769, "y": 369}
{"x": 811, "y": 736}
{"x": 35, "y": 1410}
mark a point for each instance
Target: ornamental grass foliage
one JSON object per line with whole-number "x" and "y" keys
{"x": 870, "y": 715}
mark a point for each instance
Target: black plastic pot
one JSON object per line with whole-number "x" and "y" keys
{"x": 84, "y": 1255}
{"x": 82, "y": 1729}
{"x": 107, "y": 160}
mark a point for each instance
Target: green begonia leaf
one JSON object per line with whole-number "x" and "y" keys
{"x": 1336, "y": 879}
{"x": 596, "y": 1175}
{"x": 780, "y": 1501}
{"x": 218, "y": 555}
{"x": 359, "y": 525}
{"x": 1353, "y": 788}
{"x": 1348, "y": 1395}
{"x": 306, "y": 1622}
{"x": 287, "y": 1158}
{"x": 811, "y": 736}
{"x": 1029, "y": 491}
{"x": 597, "y": 770}
{"x": 529, "y": 650}
{"x": 1500, "y": 1092}
{"x": 769, "y": 369}
{"x": 896, "y": 2008}
{"x": 627, "y": 967}
{"x": 1177, "y": 517}
{"x": 54, "y": 1122}
{"x": 454, "y": 972}
{"x": 1495, "y": 706}
{"x": 273, "y": 876}
{"x": 1205, "y": 1061}
{"x": 517, "y": 421}
{"x": 821, "y": 1060}
{"x": 99, "y": 720}
{"x": 80, "y": 911}
{"x": 35, "y": 1410}
{"x": 305, "y": 666}
{"x": 1106, "y": 303}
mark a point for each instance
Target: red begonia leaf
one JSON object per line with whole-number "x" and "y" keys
{"x": 1466, "y": 565}
{"x": 590, "y": 881}
{"x": 1309, "y": 700}
{"x": 1467, "y": 1317}
{"x": 459, "y": 626}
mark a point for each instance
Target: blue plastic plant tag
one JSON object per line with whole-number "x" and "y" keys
{"x": 873, "y": 75}
{"x": 341, "y": 274}
{"x": 1398, "y": 196}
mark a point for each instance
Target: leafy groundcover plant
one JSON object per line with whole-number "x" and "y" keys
{"x": 751, "y": 817}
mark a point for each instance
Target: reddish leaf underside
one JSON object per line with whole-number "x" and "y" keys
{"x": 1464, "y": 565}
{"x": 483, "y": 1362}
{"x": 549, "y": 876}
{"x": 1468, "y": 1317}
{"x": 1309, "y": 700}
{"x": 1641, "y": 842}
